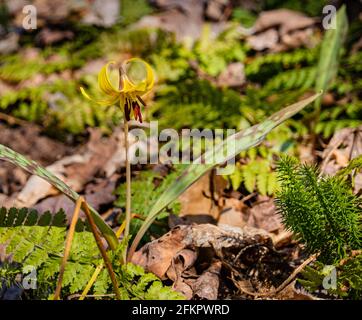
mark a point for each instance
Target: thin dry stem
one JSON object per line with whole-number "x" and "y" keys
{"x": 105, "y": 257}
{"x": 68, "y": 245}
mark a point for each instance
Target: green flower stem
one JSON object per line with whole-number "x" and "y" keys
{"x": 128, "y": 180}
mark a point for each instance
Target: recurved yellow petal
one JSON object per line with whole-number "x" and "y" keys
{"x": 104, "y": 81}
{"x": 103, "y": 102}
{"x": 142, "y": 86}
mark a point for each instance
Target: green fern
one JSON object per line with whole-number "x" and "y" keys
{"x": 137, "y": 284}
{"x": 214, "y": 55}
{"x": 197, "y": 104}
{"x": 303, "y": 79}
{"x": 255, "y": 175}
{"x": 272, "y": 63}
{"x": 59, "y": 107}
{"x": 146, "y": 189}
{"x": 37, "y": 241}
{"x": 338, "y": 117}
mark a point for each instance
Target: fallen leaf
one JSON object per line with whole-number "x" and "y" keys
{"x": 197, "y": 204}
{"x": 207, "y": 285}
{"x": 287, "y": 21}
{"x": 263, "y": 215}
{"x": 183, "y": 260}
{"x": 157, "y": 256}
{"x": 282, "y": 29}
{"x": 97, "y": 194}
{"x": 76, "y": 170}
{"x": 264, "y": 40}
{"x": 345, "y": 145}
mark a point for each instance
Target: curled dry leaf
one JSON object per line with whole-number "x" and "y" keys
{"x": 218, "y": 238}
{"x": 281, "y": 29}
{"x": 207, "y": 285}
{"x": 183, "y": 260}
{"x": 157, "y": 256}
{"x": 173, "y": 256}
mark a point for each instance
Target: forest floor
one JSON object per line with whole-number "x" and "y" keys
{"x": 227, "y": 64}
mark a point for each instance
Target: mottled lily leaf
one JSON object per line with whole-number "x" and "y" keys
{"x": 32, "y": 167}
{"x": 242, "y": 140}
{"x": 330, "y": 52}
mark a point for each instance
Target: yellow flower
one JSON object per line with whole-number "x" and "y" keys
{"x": 130, "y": 90}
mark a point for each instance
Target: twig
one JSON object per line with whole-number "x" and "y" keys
{"x": 12, "y": 120}
{"x": 353, "y": 254}
{"x": 105, "y": 257}
{"x": 68, "y": 245}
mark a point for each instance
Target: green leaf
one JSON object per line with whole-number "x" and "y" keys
{"x": 242, "y": 140}
{"x": 330, "y": 52}
{"x": 32, "y": 167}
{"x": 158, "y": 292}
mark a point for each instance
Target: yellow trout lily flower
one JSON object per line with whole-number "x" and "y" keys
{"x": 130, "y": 92}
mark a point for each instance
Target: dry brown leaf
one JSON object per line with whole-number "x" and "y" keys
{"x": 75, "y": 170}
{"x": 157, "y": 256}
{"x": 184, "y": 260}
{"x": 36, "y": 146}
{"x": 345, "y": 145}
{"x": 263, "y": 215}
{"x": 282, "y": 29}
{"x": 232, "y": 213}
{"x": 207, "y": 285}
{"x": 264, "y": 40}
{"x": 196, "y": 202}
{"x": 286, "y": 20}
{"x": 96, "y": 194}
